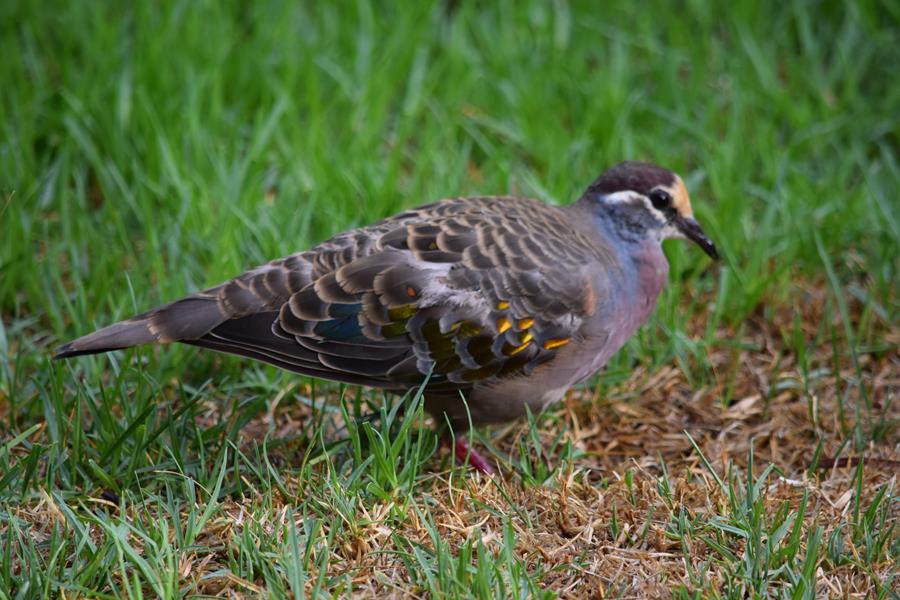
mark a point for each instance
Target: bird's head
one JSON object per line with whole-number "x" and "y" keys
{"x": 646, "y": 200}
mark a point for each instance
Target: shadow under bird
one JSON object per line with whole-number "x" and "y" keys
{"x": 505, "y": 302}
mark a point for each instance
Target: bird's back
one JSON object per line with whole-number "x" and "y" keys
{"x": 508, "y": 301}
{"x": 464, "y": 291}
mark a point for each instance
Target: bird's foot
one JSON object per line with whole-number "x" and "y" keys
{"x": 464, "y": 452}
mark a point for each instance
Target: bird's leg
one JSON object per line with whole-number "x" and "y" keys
{"x": 463, "y": 452}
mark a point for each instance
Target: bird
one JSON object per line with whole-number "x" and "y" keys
{"x": 493, "y": 306}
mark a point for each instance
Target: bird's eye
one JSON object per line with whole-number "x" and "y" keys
{"x": 661, "y": 199}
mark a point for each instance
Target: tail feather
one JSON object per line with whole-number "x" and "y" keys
{"x": 186, "y": 319}
{"x": 124, "y": 334}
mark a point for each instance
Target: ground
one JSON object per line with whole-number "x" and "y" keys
{"x": 746, "y": 443}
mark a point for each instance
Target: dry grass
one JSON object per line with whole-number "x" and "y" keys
{"x": 151, "y": 149}
{"x": 629, "y": 509}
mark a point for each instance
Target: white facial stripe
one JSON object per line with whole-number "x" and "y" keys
{"x": 669, "y": 232}
{"x": 623, "y": 197}
{"x": 630, "y": 197}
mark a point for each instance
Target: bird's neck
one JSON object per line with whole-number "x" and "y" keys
{"x": 624, "y": 225}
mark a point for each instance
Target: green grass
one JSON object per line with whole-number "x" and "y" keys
{"x": 149, "y": 151}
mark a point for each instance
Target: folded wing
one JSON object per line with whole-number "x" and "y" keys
{"x": 462, "y": 291}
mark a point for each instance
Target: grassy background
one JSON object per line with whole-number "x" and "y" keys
{"x": 152, "y": 150}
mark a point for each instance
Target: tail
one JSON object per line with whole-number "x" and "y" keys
{"x": 183, "y": 320}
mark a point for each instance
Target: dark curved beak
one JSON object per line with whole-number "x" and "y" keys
{"x": 692, "y": 231}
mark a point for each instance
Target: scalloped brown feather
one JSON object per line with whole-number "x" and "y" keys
{"x": 507, "y": 300}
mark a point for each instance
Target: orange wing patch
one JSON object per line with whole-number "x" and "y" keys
{"x": 556, "y": 343}
{"x": 510, "y": 350}
{"x": 503, "y": 324}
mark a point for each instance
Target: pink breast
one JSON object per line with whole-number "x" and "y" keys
{"x": 653, "y": 273}
{"x": 633, "y": 309}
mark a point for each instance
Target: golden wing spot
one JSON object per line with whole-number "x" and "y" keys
{"x": 432, "y": 246}
{"x": 524, "y": 324}
{"x": 502, "y": 305}
{"x": 556, "y": 343}
{"x": 527, "y": 338}
{"x": 503, "y": 325}
{"x": 510, "y": 350}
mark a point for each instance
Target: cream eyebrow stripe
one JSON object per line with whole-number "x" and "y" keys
{"x": 680, "y": 198}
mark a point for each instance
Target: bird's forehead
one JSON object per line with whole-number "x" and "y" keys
{"x": 681, "y": 201}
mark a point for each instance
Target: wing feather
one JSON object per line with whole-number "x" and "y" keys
{"x": 462, "y": 291}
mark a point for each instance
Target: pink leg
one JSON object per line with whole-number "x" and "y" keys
{"x": 462, "y": 451}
